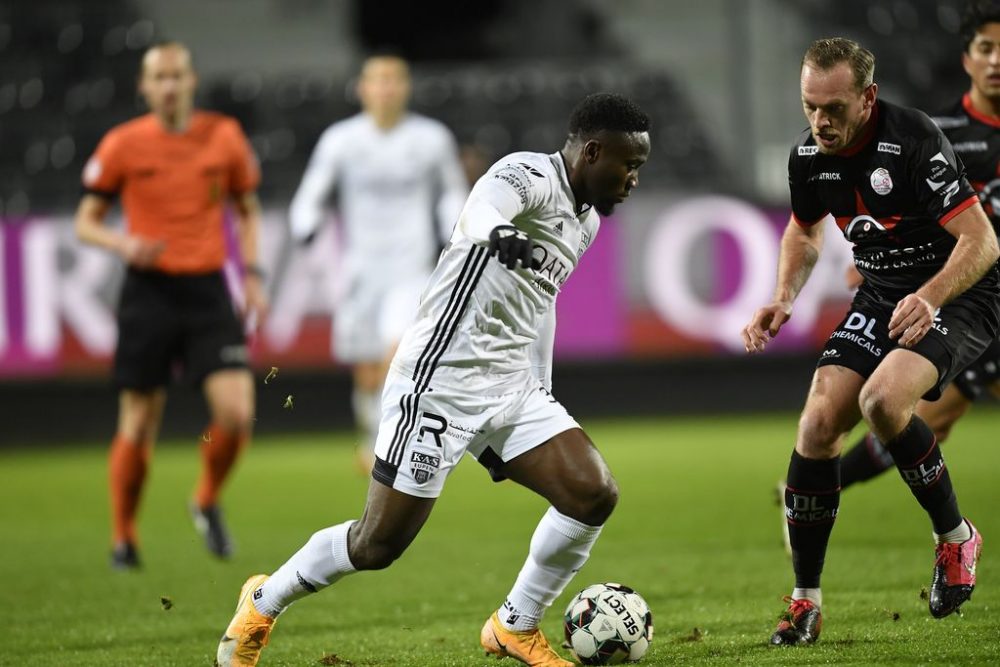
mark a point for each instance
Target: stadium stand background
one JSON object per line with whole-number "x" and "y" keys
{"x": 718, "y": 79}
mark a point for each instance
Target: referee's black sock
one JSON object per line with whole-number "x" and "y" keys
{"x": 812, "y": 499}
{"x": 922, "y": 467}
{"x": 866, "y": 459}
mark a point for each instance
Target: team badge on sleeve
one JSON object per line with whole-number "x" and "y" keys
{"x": 92, "y": 171}
{"x": 943, "y": 175}
{"x": 517, "y": 178}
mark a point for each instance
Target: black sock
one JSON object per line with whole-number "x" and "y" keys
{"x": 921, "y": 465}
{"x": 812, "y": 499}
{"x": 866, "y": 459}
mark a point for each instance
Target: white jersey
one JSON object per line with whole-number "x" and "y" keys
{"x": 393, "y": 187}
{"x": 481, "y": 326}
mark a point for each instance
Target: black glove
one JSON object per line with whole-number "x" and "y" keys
{"x": 510, "y": 244}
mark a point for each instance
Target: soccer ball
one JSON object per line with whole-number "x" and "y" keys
{"x": 607, "y": 624}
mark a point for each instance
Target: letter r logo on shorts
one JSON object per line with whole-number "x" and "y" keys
{"x": 434, "y": 424}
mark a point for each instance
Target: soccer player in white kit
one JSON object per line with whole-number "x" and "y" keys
{"x": 399, "y": 188}
{"x": 472, "y": 375}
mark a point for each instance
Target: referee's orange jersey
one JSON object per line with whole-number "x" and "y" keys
{"x": 174, "y": 185}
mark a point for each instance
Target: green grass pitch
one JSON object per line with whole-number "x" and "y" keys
{"x": 696, "y": 532}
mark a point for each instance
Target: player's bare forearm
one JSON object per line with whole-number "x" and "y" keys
{"x": 800, "y": 248}
{"x": 248, "y": 227}
{"x": 974, "y": 253}
{"x": 248, "y": 232}
{"x": 89, "y": 224}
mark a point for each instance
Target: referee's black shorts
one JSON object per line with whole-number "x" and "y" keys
{"x": 175, "y": 325}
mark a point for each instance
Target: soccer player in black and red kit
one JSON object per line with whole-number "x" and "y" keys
{"x": 972, "y": 125}
{"x": 929, "y": 306}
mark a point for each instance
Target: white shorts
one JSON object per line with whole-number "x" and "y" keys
{"x": 371, "y": 318}
{"x": 423, "y": 436}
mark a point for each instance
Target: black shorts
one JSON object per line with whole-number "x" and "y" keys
{"x": 962, "y": 331}
{"x": 976, "y": 378}
{"x": 171, "y": 324}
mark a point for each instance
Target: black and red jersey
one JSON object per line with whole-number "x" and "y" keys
{"x": 976, "y": 139}
{"x": 891, "y": 196}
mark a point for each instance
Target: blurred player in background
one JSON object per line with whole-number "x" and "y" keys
{"x": 399, "y": 188}
{"x": 972, "y": 125}
{"x": 175, "y": 169}
{"x": 473, "y": 374}
{"x": 929, "y": 305}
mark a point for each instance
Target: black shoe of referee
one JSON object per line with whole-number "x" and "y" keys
{"x": 210, "y": 525}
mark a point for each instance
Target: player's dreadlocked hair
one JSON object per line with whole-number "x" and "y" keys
{"x": 977, "y": 14}
{"x": 606, "y": 111}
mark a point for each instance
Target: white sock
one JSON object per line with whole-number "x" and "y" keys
{"x": 559, "y": 548}
{"x": 814, "y": 595}
{"x": 367, "y": 408}
{"x": 960, "y": 534}
{"x": 320, "y": 562}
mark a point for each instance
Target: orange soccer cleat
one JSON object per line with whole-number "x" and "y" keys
{"x": 530, "y": 647}
{"x": 247, "y": 633}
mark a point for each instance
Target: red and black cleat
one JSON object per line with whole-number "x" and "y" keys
{"x": 799, "y": 624}
{"x": 954, "y": 574}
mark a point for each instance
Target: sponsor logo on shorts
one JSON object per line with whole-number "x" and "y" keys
{"x": 831, "y": 354}
{"x": 464, "y": 433}
{"x": 424, "y": 466}
{"x": 434, "y": 424}
{"x": 857, "y": 329}
{"x": 937, "y": 326}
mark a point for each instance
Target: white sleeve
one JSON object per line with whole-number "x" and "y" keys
{"x": 454, "y": 189}
{"x": 308, "y": 209}
{"x": 541, "y": 350}
{"x": 509, "y": 189}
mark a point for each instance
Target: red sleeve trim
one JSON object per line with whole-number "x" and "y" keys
{"x": 946, "y": 218}
{"x": 806, "y": 223}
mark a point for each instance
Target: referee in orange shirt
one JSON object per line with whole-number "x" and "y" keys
{"x": 174, "y": 169}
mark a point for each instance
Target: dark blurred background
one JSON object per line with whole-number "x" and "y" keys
{"x": 650, "y": 325}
